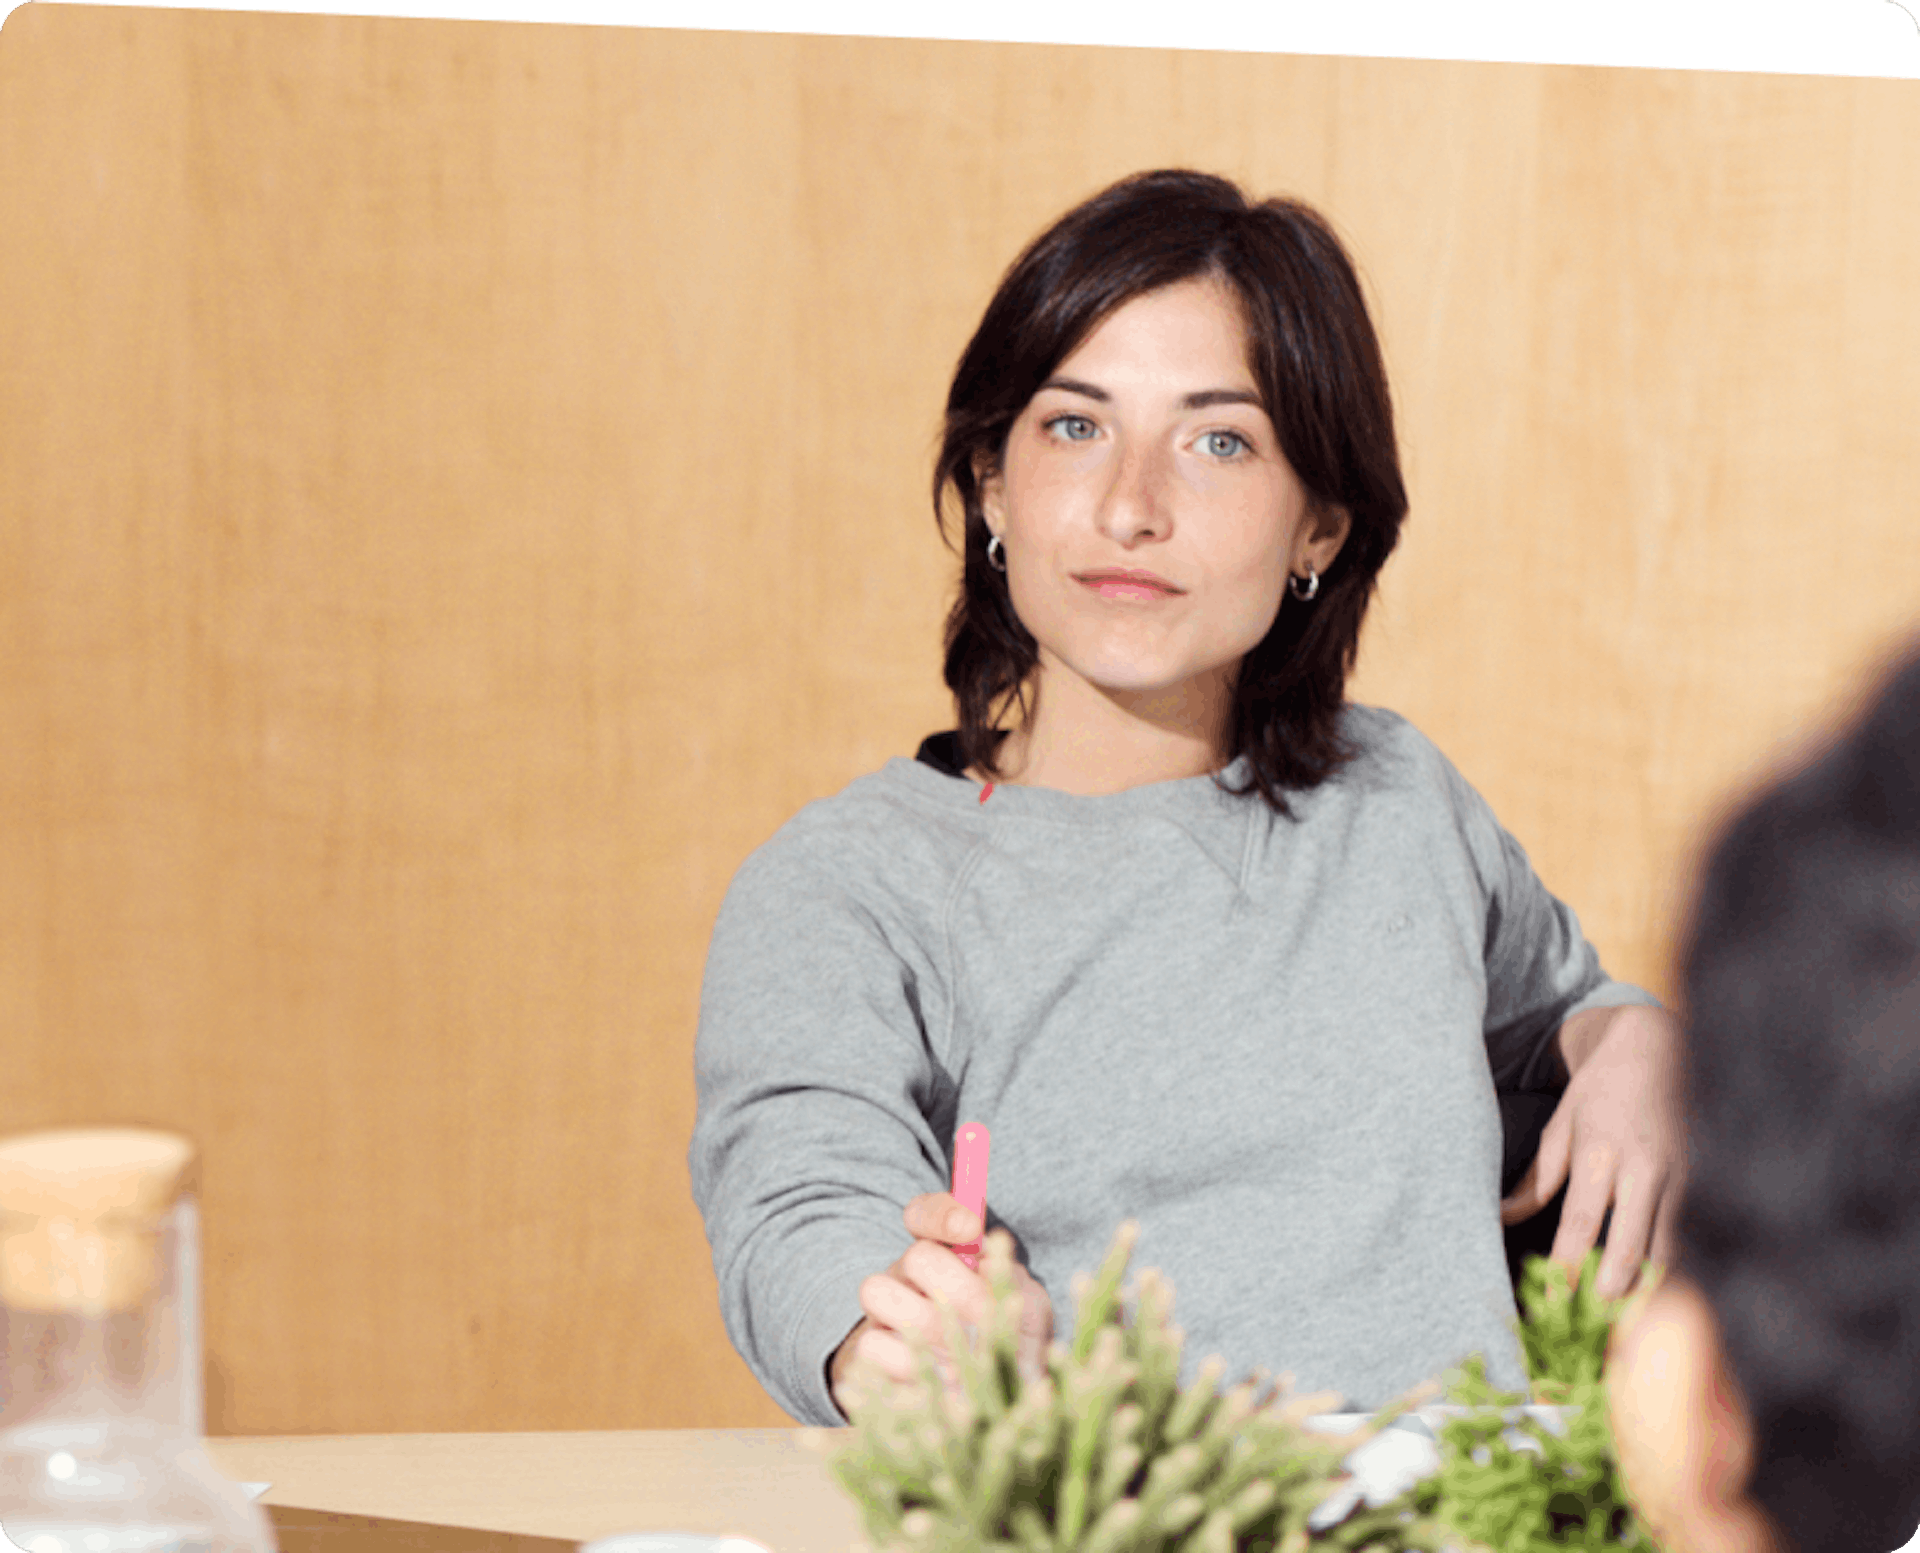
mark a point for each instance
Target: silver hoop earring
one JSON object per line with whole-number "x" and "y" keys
{"x": 1001, "y": 564}
{"x": 1305, "y": 595}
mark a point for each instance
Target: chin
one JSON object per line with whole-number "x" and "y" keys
{"x": 1126, "y": 676}
{"x": 1136, "y": 674}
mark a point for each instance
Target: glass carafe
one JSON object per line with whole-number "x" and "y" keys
{"x": 101, "y": 1446}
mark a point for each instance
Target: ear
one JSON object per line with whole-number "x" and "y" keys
{"x": 989, "y": 482}
{"x": 1328, "y": 527}
{"x": 1680, "y": 1427}
{"x": 1654, "y": 1391}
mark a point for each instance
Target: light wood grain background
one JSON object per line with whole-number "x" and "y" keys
{"x": 462, "y": 487}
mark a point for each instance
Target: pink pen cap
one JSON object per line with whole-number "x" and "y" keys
{"x": 971, "y": 1144}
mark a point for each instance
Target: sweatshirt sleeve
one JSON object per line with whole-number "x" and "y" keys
{"x": 1540, "y": 968}
{"x": 815, "y": 1085}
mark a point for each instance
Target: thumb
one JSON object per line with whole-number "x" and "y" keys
{"x": 960, "y": 1225}
{"x": 1546, "y": 1174}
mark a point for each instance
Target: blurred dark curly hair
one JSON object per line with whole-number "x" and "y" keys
{"x": 1323, "y": 384}
{"x": 1801, "y": 1216}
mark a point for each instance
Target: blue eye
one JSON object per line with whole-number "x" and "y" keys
{"x": 1069, "y": 421}
{"x": 1224, "y": 444}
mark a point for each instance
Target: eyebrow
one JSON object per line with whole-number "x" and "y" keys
{"x": 1199, "y": 401}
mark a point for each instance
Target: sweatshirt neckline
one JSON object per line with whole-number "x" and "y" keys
{"x": 959, "y": 791}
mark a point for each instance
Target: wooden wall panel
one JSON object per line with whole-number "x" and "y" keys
{"x": 463, "y": 486}
{"x": 1689, "y": 528}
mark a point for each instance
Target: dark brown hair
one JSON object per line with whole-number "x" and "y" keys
{"x": 1316, "y": 360}
{"x": 1799, "y": 1220}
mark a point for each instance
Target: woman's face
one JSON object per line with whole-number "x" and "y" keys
{"x": 1148, "y": 450}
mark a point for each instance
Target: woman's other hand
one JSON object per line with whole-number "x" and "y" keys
{"x": 1617, "y": 1139}
{"x": 900, "y": 1300}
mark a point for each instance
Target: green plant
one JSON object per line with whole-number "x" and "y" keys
{"x": 1103, "y": 1453}
{"x": 1566, "y": 1492}
{"x": 1564, "y": 1330}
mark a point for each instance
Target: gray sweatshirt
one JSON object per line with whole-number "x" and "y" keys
{"x": 1276, "y": 1044}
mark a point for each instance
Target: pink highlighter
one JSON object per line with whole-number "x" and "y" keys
{"x": 970, "y": 1146}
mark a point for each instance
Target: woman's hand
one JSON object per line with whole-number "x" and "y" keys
{"x": 1617, "y": 1137}
{"x": 900, "y": 1300}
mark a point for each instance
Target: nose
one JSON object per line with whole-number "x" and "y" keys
{"x": 1135, "y": 502}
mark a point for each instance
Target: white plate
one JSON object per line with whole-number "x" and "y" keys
{"x": 1403, "y": 1453}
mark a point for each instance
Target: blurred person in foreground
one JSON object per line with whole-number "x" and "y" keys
{"x": 1766, "y": 1394}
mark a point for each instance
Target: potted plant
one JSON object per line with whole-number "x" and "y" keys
{"x": 1105, "y": 1453}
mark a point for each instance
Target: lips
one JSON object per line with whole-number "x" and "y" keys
{"x": 1138, "y": 579}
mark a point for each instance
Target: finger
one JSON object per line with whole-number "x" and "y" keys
{"x": 1666, "y": 1224}
{"x": 891, "y": 1304}
{"x": 1532, "y": 1192}
{"x": 1036, "y": 1309}
{"x": 1589, "y": 1189}
{"x": 934, "y": 1271}
{"x": 1523, "y": 1201}
{"x": 1547, "y": 1172}
{"x": 1634, "y": 1202}
{"x": 907, "y": 1298}
{"x": 939, "y": 1216}
{"x": 1036, "y": 1322}
{"x": 895, "y": 1304}
{"x": 881, "y": 1350}
{"x": 900, "y": 1315}
{"x": 896, "y": 1359}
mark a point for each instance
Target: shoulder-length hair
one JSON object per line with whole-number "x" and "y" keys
{"x": 1322, "y": 383}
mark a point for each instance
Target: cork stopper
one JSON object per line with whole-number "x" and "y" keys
{"x": 80, "y": 1214}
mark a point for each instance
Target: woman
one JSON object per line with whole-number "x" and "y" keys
{"x": 1199, "y": 942}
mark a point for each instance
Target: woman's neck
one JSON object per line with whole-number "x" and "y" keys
{"x": 1093, "y": 767}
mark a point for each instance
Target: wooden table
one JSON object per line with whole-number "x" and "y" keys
{"x": 540, "y": 1493}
